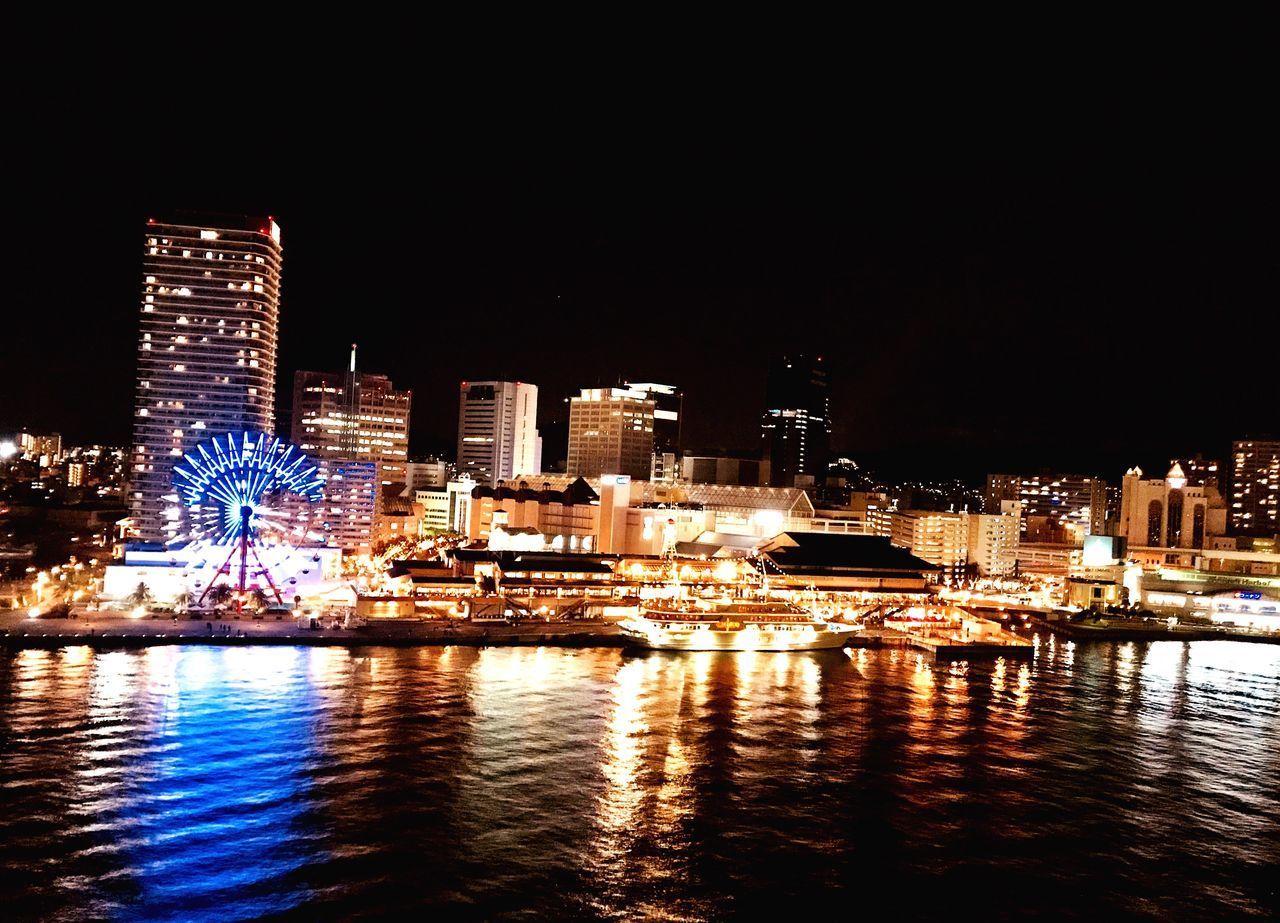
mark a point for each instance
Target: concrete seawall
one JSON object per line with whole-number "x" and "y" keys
{"x": 107, "y": 633}
{"x": 1157, "y": 631}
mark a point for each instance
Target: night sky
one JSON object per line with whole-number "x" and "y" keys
{"x": 1001, "y": 310}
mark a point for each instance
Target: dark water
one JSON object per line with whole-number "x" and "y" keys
{"x": 1099, "y": 782}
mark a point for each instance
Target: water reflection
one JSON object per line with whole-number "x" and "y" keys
{"x": 221, "y": 783}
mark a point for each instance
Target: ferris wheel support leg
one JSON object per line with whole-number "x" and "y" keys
{"x": 245, "y": 513}
{"x": 267, "y": 573}
{"x": 224, "y": 569}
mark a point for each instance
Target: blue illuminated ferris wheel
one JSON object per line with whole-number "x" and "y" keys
{"x": 239, "y": 486}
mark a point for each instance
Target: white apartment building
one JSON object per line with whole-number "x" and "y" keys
{"x": 993, "y": 543}
{"x": 954, "y": 540}
{"x": 942, "y": 539}
{"x": 210, "y": 311}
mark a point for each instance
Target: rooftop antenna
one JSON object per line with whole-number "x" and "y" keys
{"x": 349, "y": 439}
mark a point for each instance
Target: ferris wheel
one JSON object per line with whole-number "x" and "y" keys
{"x": 248, "y": 492}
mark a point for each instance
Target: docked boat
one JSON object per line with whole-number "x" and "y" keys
{"x": 750, "y": 621}
{"x": 695, "y": 625}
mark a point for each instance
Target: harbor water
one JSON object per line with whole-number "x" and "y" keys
{"x": 1096, "y": 781}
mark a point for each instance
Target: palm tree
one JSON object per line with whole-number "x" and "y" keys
{"x": 141, "y": 595}
{"x": 258, "y": 599}
{"x": 183, "y": 602}
{"x": 220, "y": 595}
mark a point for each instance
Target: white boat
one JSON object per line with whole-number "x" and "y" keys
{"x": 686, "y": 625}
{"x": 750, "y": 622}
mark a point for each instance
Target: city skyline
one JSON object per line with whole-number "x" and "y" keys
{"x": 982, "y": 343}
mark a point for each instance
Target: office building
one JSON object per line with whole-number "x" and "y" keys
{"x": 610, "y": 432}
{"x": 351, "y": 500}
{"x": 725, "y": 469}
{"x": 435, "y": 509}
{"x": 1255, "y": 486}
{"x": 668, "y": 407}
{"x": 497, "y": 430}
{"x": 353, "y": 415}
{"x": 431, "y": 474}
{"x": 796, "y": 428}
{"x": 1074, "y": 501}
{"x": 349, "y": 421}
{"x": 210, "y": 310}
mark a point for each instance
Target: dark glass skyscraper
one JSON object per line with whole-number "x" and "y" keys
{"x": 797, "y": 420}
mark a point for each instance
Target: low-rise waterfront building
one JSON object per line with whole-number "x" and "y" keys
{"x": 844, "y": 563}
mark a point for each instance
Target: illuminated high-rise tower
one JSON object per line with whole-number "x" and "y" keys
{"x": 352, "y": 415}
{"x": 210, "y": 311}
{"x": 356, "y": 425}
{"x": 797, "y": 420}
{"x": 1255, "y": 486}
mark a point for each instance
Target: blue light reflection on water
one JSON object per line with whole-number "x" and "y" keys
{"x": 184, "y": 781}
{"x": 212, "y": 809}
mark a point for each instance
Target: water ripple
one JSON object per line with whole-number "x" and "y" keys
{"x": 1100, "y": 781}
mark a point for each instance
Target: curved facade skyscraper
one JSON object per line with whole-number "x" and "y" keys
{"x": 210, "y": 313}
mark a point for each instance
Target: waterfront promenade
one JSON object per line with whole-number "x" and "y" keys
{"x": 105, "y": 630}
{"x": 117, "y": 630}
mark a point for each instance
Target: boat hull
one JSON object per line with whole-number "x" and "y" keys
{"x": 740, "y": 640}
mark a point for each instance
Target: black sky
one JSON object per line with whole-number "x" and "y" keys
{"x": 981, "y": 306}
